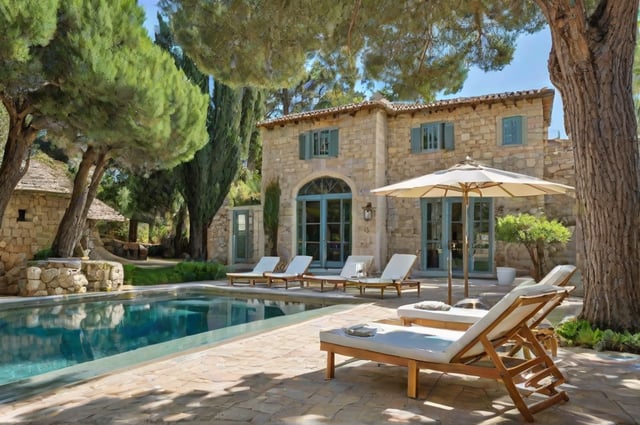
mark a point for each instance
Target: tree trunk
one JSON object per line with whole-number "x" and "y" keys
{"x": 15, "y": 160}
{"x": 197, "y": 238}
{"x": 180, "y": 228}
{"x": 133, "y": 231}
{"x": 591, "y": 64}
{"x": 85, "y": 187}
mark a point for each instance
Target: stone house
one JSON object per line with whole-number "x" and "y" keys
{"x": 327, "y": 162}
{"x": 32, "y": 217}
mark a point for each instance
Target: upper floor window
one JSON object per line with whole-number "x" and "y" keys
{"x": 513, "y": 130}
{"x": 319, "y": 143}
{"x": 432, "y": 137}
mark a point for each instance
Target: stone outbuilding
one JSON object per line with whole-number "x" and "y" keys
{"x": 32, "y": 217}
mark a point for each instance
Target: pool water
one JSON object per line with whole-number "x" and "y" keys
{"x": 43, "y": 338}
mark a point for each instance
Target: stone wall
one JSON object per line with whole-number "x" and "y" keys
{"x": 29, "y": 225}
{"x": 361, "y": 164}
{"x": 220, "y": 234}
{"x": 70, "y": 276}
{"x": 476, "y": 134}
{"x": 558, "y": 166}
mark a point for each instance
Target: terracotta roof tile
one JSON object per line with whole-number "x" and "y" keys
{"x": 397, "y": 108}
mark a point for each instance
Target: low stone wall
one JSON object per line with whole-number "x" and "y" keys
{"x": 70, "y": 276}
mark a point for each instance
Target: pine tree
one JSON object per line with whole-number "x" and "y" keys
{"x": 129, "y": 103}
{"x": 231, "y": 119}
{"x": 27, "y": 27}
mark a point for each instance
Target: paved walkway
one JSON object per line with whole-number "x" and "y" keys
{"x": 277, "y": 377}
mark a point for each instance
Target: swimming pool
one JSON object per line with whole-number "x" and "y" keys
{"x": 39, "y": 337}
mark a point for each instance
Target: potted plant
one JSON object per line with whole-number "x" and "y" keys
{"x": 535, "y": 233}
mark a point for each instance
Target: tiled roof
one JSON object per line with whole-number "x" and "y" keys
{"x": 41, "y": 177}
{"x": 101, "y": 211}
{"x": 398, "y": 108}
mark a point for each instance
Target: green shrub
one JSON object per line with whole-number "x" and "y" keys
{"x": 43, "y": 254}
{"x": 181, "y": 272}
{"x": 580, "y": 333}
{"x": 271, "y": 215}
{"x": 535, "y": 233}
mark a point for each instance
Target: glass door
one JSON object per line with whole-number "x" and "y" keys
{"x": 455, "y": 236}
{"x": 324, "y": 222}
{"x": 311, "y": 231}
{"x": 442, "y": 234}
{"x": 338, "y": 232}
{"x": 481, "y": 236}
{"x": 241, "y": 237}
{"x": 325, "y": 231}
{"x": 432, "y": 252}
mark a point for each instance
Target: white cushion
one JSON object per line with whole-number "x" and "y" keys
{"x": 420, "y": 343}
{"x": 454, "y": 314}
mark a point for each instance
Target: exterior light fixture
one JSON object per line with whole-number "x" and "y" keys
{"x": 367, "y": 212}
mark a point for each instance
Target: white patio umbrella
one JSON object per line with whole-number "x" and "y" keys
{"x": 471, "y": 179}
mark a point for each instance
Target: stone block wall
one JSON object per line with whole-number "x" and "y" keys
{"x": 361, "y": 164}
{"x": 477, "y": 135}
{"x": 220, "y": 234}
{"x": 29, "y": 225}
{"x": 69, "y": 276}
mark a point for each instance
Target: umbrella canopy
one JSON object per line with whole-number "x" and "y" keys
{"x": 471, "y": 179}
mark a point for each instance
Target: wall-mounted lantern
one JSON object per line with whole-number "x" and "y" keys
{"x": 367, "y": 212}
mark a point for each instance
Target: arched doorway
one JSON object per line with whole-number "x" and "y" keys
{"x": 324, "y": 221}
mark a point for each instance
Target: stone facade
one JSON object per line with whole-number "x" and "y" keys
{"x": 30, "y": 224}
{"x": 375, "y": 150}
{"x": 69, "y": 276}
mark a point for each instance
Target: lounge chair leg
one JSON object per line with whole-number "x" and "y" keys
{"x": 331, "y": 365}
{"x": 412, "y": 379}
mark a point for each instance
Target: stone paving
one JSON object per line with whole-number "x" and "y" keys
{"x": 277, "y": 377}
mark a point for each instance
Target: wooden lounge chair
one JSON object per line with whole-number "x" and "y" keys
{"x": 296, "y": 268}
{"x": 394, "y": 275}
{"x": 462, "y": 318}
{"x": 266, "y": 264}
{"x": 475, "y": 352}
{"x": 349, "y": 270}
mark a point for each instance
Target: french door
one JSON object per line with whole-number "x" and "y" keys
{"x": 324, "y": 230}
{"x": 241, "y": 237}
{"x": 324, "y": 222}
{"x": 443, "y": 238}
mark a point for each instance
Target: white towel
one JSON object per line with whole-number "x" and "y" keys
{"x": 433, "y": 305}
{"x": 360, "y": 330}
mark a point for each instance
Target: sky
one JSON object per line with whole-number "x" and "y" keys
{"x": 528, "y": 70}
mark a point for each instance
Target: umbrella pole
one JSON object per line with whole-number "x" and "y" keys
{"x": 465, "y": 243}
{"x": 450, "y": 277}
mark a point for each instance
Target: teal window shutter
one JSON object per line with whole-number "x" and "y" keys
{"x": 416, "y": 140}
{"x": 303, "y": 146}
{"x": 333, "y": 142}
{"x": 512, "y": 133}
{"x": 448, "y": 136}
